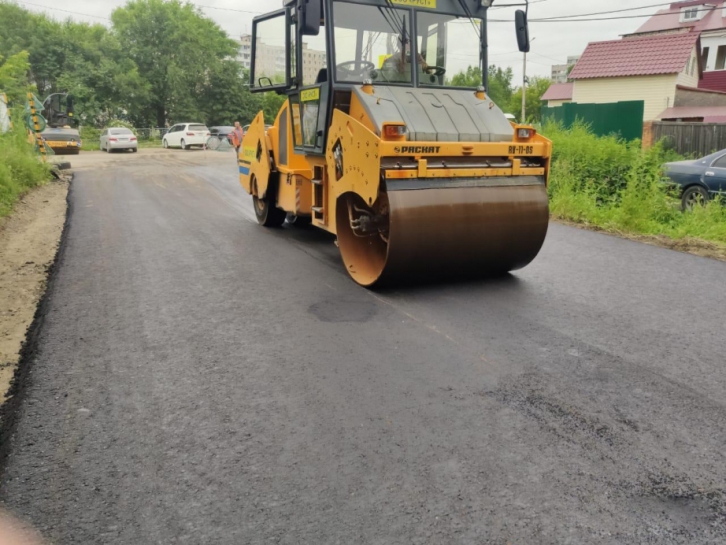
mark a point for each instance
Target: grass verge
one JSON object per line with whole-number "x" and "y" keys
{"x": 91, "y": 137}
{"x": 615, "y": 186}
{"x": 20, "y": 168}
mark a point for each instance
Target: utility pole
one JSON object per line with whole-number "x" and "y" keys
{"x": 524, "y": 92}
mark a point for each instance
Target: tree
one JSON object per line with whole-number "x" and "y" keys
{"x": 500, "y": 85}
{"x": 14, "y": 77}
{"x": 471, "y": 77}
{"x": 84, "y": 60}
{"x": 228, "y": 98}
{"x": 500, "y": 82}
{"x": 104, "y": 82}
{"x": 535, "y": 89}
{"x": 271, "y": 104}
{"x": 179, "y": 54}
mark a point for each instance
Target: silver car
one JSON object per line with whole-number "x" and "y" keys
{"x": 118, "y": 139}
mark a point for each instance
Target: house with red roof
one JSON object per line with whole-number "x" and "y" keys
{"x": 702, "y": 17}
{"x": 559, "y": 94}
{"x": 649, "y": 68}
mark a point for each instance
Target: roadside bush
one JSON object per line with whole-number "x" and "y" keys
{"x": 602, "y": 163}
{"x": 20, "y": 168}
{"x": 90, "y": 138}
{"x": 615, "y": 185}
{"x": 121, "y": 124}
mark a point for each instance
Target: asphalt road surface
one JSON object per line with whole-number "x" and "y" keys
{"x": 199, "y": 379}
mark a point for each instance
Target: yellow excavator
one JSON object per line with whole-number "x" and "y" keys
{"x": 388, "y": 139}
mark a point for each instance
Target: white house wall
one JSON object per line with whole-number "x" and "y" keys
{"x": 712, "y": 41}
{"x": 556, "y": 103}
{"x": 689, "y": 76}
{"x": 658, "y": 92}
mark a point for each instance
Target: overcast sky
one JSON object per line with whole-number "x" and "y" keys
{"x": 553, "y": 41}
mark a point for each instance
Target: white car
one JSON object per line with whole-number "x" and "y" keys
{"x": 118, "y": 138}
{"x": 186, "y": 135}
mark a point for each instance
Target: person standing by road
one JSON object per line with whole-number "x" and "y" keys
{"x": 237, "y": 136}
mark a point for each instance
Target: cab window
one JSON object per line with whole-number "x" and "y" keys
{"x": 314, "y": 59}
{"x": 270, "y": 52}
{"x": 449, "y": 50}
{"x": 372, "y": 42}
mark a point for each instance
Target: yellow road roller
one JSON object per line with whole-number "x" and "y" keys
{"x": 388, "y": 138}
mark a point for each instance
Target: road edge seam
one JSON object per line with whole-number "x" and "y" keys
{"x": 11, "y": 408}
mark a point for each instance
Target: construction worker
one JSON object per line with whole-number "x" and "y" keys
{"x": 237, "y": 136}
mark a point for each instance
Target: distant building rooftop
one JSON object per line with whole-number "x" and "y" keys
{"x": 704, "y": 17}
{"x": 559, "y": 91}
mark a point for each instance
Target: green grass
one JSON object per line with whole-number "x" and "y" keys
{"x": 616, "y": 186}
{"x": 91, "y": 138}
{"x": 20, "y": 169}
{"x": 149, "y": 144}
{"x": 87, "y": 145}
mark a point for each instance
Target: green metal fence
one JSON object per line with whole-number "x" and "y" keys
{"x": 622, "y": 118}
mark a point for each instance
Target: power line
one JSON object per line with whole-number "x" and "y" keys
{"x": 566, "y": 20}
{"x": 517, "y": 5}
{"x": 546, "y": 57}
{"x": 63, "y": 10}
{"x": 228, "y": 9}
{"x": 604, "y": 12}
{"x": 108, "y": 18}
{"x": 609, "y": 18}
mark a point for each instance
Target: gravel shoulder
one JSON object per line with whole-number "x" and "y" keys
{"x": 29, "y": 240}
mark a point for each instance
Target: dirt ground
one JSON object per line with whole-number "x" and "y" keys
{"x": 29, "y": 240}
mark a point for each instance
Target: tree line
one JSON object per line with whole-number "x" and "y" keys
{"x": 162, "y": 62}
{"x": 158, "y": 63}
{"x": 504, "y": 93}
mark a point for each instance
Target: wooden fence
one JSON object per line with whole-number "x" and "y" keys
{"x": 691, "y": 139}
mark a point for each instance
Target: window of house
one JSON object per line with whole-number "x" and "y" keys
{"x": 704, "y": 57}
{"x": 721, "y": 57}
{"x": 690, "y": 14}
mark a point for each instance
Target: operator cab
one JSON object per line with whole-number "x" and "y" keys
{"x": 318, "y": 51}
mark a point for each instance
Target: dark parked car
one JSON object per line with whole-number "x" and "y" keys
{"x": 699, "y": 180}
{"x": 222, "y": 132}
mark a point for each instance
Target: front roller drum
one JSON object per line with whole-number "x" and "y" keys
{"x": 442, "y": 232}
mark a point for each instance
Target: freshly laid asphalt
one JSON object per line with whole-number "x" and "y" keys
{"x": 199, "y": 379}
